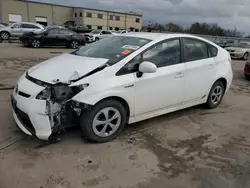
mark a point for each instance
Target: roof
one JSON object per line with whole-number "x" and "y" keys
{"x": 45, "y": 3}
{"x": 159, "y": 36}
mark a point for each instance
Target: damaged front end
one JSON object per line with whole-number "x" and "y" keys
{"x": 61, "y": 110}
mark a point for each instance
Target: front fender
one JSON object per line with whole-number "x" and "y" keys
{"x": 94, "y": 98}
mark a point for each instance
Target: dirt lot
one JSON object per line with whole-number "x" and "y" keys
{"x": 186, "y": 149}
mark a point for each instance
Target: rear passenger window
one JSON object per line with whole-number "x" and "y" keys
{"x": 212, "y": 50}
{"x": 194, "y": 49}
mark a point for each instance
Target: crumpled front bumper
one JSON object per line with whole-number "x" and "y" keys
{"x": 30, "y": 113}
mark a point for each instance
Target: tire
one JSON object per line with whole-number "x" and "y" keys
{"x": 35, "y": 43}
{"x": 215, "y": 95}
{"x": 245, "y": 56}
{"x": 96, "y": 39}
{"x": 95, "y": 131}
{"x": 5, "y": 35}
{"x": 74, "y": 44}
{"x": 247, "y": 77}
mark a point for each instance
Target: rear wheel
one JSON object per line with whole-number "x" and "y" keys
{"x": 35, "y": 43}
{"x": 74, "y": 44}
{"x": 104, "y": 122}
{"x": 216, "y": 94}
{"x": 5, "y": 35}
{"x": 245, "y": 56}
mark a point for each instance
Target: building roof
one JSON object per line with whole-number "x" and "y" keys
{"x": 45, "y": 3}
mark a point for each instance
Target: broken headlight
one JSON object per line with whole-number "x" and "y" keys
{"x": 44, "y": 94}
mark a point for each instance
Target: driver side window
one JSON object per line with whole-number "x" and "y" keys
{"x": 162, "y": 54}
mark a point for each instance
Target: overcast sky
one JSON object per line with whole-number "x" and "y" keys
{"x": 227, "y": 13}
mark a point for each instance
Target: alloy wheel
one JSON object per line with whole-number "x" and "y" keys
{"x": 106, "y": 122}
{"x": 36, "y": 43}
{"x": 245, "y": 57}
{"x": 74, "y": 44}
{"x": 216, "y": 95}
{"x": 4, "y": 36}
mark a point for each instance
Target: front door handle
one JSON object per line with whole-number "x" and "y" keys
{"x": 179, "y": 75}
{"x": 211, "y": 66}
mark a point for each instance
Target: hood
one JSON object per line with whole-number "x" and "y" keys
{"x": 63, "y": 67}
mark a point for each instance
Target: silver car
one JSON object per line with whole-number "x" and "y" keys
{"x": 17, "y": 29}
{"x": 239, "y": 51}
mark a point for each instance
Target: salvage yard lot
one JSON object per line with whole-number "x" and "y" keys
{"x": 187, "y": 149}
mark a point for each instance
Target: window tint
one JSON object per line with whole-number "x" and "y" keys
{"x": 213, "y": 51}
{"x": 164, "y": 54}
{"x": 34, "y": 27}
{"x": 53, "y": 31}
{"x": 16, "y": 26}
{"x": 107, "y": 32}
{"x": 89, "y": 14}
{"x": 64, "y": 32}
{"x": 99, "y": 16}
{"x": 194, "y": 49}
{"x": 131, "y": 66}
{"x": 26, "y": 26}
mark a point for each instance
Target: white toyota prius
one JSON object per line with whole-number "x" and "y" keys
{"x": 120, "y": 80}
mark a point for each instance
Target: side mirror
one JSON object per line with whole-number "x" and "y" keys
{"x": 147, "y": 67}
{"x": 12, "y": 27}
{"x": 45, "y": 34}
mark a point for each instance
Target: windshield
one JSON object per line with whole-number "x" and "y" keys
{"x": 241, "y": 45}
{"x": 95, "y": 32}
{"x": 113, "y": 48}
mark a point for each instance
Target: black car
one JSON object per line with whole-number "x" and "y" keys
{"x": 53, "y": 37}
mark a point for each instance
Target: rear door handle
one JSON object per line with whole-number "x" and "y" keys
{"x": 179, "y": 75}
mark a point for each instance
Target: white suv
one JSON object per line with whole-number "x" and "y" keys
{"x": 118, "y": 80}
{"x": 17, "y": 29}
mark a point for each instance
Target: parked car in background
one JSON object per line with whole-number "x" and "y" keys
{"x": 96, "y": 35}
{"x": 17, "y": 29}
{"x": 225, "y": 44}
{"x": 3, "y": 25}
{"x": 80, "y": 29}
{"x": 239, "y": 51}
{"x": 247, "y": 69}
{"x": 53, "y": 37}
{"x": 118, "y": 80}
{"x": 54, "y": 26}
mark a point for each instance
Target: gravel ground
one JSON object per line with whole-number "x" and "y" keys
{"x": 191, "y": 148}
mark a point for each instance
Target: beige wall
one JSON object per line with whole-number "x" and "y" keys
{"x": 78, "y": 20}
{"x": 59, "y": 15}
{"x": 132, "y": 23}
{"x": 62, "y": 14}
{"x": 40, "y": 10}
{"x": 13, "y": 7}
{"x": 95, "y": 21}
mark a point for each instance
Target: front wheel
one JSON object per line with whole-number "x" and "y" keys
{"x": 216, "y": 94}
{"x": 5, "y": 35}
{"x": 74, "y": 44}
{"x": 245, "y": 56}
{"x": 35, "y": 43}
{"x": 104, "y": 121}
